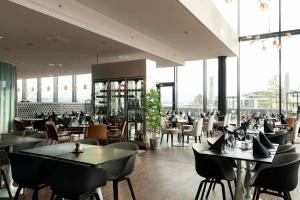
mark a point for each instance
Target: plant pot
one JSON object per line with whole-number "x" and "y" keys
{"x": 154, "y": 143}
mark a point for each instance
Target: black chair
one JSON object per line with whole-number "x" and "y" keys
{"x": 28, "y": 172}
{"x": 214, "y": 170}
{"x": 278, "y": 138}
{"x": 89, "y": 141}
{"x": 74, "y": 181}
{"x": 4, "y": 161}
{"x": 119, "y": 170}
{"x": 286, "y": 148}
{"x": 280, "y": 176}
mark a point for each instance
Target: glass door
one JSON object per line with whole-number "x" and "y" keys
{"x": 135, "y": 114}
{"x": 167, "y": 96}
{"x": 117, "y": 96}
{"x": 101, "y": 98}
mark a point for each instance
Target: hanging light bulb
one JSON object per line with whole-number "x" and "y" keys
{"x": 279, "y": 45}
{"x": 228, "y": 1}
{"x": 85, "y": 86}
{"x": 289, "y": 35}
{"x": 48, "y": 88}
{"x": 32, "y": 89}
{"x": 275, "y": 42}
{"x": 263, "y": 6}
{"x": 66, "y": 87}
{"x": 264, "y": 48}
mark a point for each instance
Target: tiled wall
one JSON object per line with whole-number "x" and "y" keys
{"x": 28, "y": 109}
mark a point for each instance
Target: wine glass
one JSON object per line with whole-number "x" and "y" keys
{"x": 241, "y": 134}
{"x": 248, "y": 138}
{"x": 231, "y": 140}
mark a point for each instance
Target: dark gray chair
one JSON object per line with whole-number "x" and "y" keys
{"x": 74, "y": 181}
{"x": 286, "y": 148}
{"x": 89, "y": 141}
{"x": 280, "y": 176}
{"x": 4, "y": 161}
{"x": 214, "y": 170}
{"x": 119, "y": 170}
{"x": 28, "y": 172}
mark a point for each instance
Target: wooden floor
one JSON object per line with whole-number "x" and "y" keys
{"x": 167, "y": 173}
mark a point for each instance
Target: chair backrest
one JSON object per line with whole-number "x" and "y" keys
{"x": 286, "y": 167}
{"x": 208, "y": 167}
{"x": 210, "y": 123}
{"x": 89, "y": 141}
{"x": 3, "y": 158}
{"x": 71, "y": 180}
{"x": 52, "y": 131}
{"x": 126, "y": 165}
{"x": 98, "y": 132}
{"x": 27, "y": 170}
{"x": 199, "y": 127}
{"x": 19, "y": 124}
{"x": 39, "y": 125}
{"x": 291, "y": 121}
{"x": 279, "y": 138}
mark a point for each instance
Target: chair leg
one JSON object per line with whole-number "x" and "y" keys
{"x": 254, "y": 193}
{"x": 195, "y": 139}
{"x": 289, "y": 195}
{"x": 18, "y": 192}
{"x": 115, "y": 188}
{"x": 96, "y": 196}
{"x": 35, "y": 194}
{"x": 6, "y": 184}
{"x": 230, "y": 189}
{"x": 131, "y": 189}
{"x": 199, "y": 138}
{"x": 188, "y": 139}
{"x": 209, "y": 189}
{"x": 172, "y": 140}
{"x": 162, "y": 135}
{"x": 199, "y": 190}
{"x": 167, "y": 138}
{"x": 223, "y": 190}
{"x": 182, "y": 140}
{"x": 214, "y": 185}
{"x": 203, "y": 191}
{"x": 257, "y": 194}
{"x": 52, "y": 196}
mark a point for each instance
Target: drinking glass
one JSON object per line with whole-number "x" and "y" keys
{"x": 248, "y": 138}
{"x": 231, "y": 140}
{"x": 241, "y": 134}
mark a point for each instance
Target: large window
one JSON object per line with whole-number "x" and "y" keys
{"x": 231, "y": 63}
{"x": 290, "y": 14}
{"x": 190, "y": 86}
{"x": 259, "y": 78}
{"x": 65, "y": 89}
{"x": 31, "y": 89}
{"x": 47, "y": 89}
{"x": 212, "y": 84}
{"x": 19, "y": 90}
{"x": 255, "y": 21}
{"x": 290, "y": 74}
{"x": 83, "y": 87}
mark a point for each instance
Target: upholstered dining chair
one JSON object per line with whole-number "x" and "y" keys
{"x": 166, "y": 130}
{"x": 54, "y": 135}
{"x": 195, "y": 132}
{"x": 98, "y": 132}
{"x": 117, "y": 134}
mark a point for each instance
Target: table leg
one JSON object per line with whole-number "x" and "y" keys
{"x": 248, "y": 196}
{"x": 179, "y": 144}
{"x": 238, "y": 194}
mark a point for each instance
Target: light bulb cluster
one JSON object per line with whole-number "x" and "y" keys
{"x": 262, "y": 5}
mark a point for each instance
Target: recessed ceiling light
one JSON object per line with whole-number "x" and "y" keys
{"x": 51, "y": 65}
{"x": 59, "y": 65}
{"x": 50, "y": 75}
{"x": 1, "y": 37}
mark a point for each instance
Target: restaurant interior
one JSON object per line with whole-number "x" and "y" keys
{"x": 149, "y": 100}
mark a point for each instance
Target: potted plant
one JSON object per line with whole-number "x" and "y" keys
{"x": 153, "y": 116}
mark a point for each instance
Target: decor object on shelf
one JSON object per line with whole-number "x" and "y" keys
{"x": 153, "y": 114}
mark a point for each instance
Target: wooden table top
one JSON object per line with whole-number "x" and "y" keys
{"x": 92, "y": 155}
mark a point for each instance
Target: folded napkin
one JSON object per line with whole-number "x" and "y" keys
{"x": 282, "y": 119}
{"x": 259, "y": 150}
{"x": 265, "y": 141}
{"x": 217, "y": 146}
{"x": 267, "y": 127}
{"x": 244, "y": 126}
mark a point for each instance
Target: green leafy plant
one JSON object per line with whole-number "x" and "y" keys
{"x": 153, "y": 112}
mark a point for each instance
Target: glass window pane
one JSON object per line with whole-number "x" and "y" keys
{"x": 212, "y": 84}
{"x": 83, "y": 86}
{"x": 164, "y": 74}
{"x": 290, "y": 73}
{"x": 290, "y": 14}
{"x": 19, "y": 90}
{"x": 47, "y": 89}
{"x": 231, "y": 70}
{"x": 166, "y": 98}
{"x": 65, "y": 89}
{"x": 255, "y": 21}
{"x": 259, "y": 78}
{"x": 190, "y": 86}
{"x": 31, "y": 89}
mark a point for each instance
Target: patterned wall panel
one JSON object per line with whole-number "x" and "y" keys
{"x": 28, "y": 109}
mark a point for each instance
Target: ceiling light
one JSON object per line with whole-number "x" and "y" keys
{"x": 50, "y": 75}
{"x": 48, "y": 88}
{"x": 66, "y": 87}
{"x": 228, "y": 1}
{"x": 59, "y": 65}
{"x": 264, "y": 48}
{"x": 263, "y": 6}
{"x": 32, "y": 89}
{"x": 279, "y": 46}
{"x": 85, "y": 86}
{"x": 288, "y": 35}
{"x": 275, "y": 42}
{"x": 1, "y": 37}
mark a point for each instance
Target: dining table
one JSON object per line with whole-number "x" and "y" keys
{"x": 239, "y": 155}
{"x": 91, "y": 155}
{"x": 7, "y": 142}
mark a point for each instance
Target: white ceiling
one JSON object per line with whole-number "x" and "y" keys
{"x": 32, "y": 41}
{"x": 166, "y": 31}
